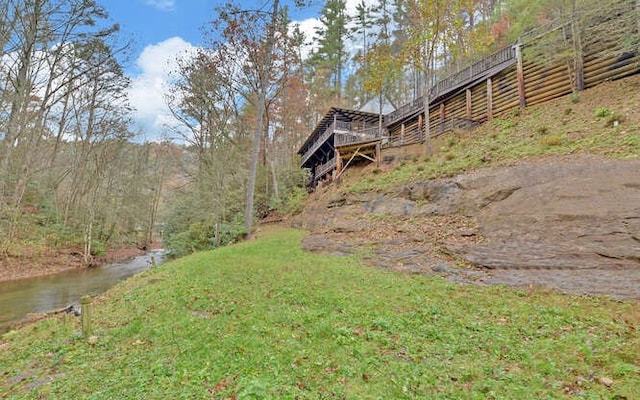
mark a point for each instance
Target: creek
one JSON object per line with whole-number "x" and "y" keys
{"x": 43, "y": 294}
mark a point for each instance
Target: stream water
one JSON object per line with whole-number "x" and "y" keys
{"x": 53, "y": 292}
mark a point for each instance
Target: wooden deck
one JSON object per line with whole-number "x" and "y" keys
{"x": 514, "y": 77}
{"x": 484, "y": 68}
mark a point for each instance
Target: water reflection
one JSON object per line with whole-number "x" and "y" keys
{"x": 52, "y": 292}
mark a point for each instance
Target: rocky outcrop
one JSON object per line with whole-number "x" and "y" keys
{"x": 541, "y": 218}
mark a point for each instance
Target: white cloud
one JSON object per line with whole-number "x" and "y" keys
{"x": 308, "y": 28}
{"x": 149, "y": 86}
{"x": 165, "y": 5}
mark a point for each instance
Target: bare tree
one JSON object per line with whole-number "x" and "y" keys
{"x": 431, "y": 25}
{"x": 38, "y": 76}
{"x": 254, "y": 53}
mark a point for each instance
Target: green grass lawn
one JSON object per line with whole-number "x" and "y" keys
{"x": 265, "y": 320}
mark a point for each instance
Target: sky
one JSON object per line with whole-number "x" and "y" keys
{"x": 162, "y": 30}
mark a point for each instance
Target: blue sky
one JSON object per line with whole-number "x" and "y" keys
{"x": 151, "y": 21}
{"x": 161, "y": 30}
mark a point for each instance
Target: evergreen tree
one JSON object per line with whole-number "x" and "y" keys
{"x": 330, "y": 57}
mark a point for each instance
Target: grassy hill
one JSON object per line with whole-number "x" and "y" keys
{"x": 604, "y": 120}
{"x": 265, "y": 320}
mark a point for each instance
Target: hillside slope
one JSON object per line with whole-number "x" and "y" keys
{"x": 549, "y": 196}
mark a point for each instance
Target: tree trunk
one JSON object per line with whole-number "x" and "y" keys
{"x": 578, "y": 62}
{"x": 255, "y": 150}
{"x": 274, "y": 177}
{"x": 88, "y": 239}
{"x": 426, "y": 103}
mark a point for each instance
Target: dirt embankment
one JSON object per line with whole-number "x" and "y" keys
{"x": 571, "y": 223}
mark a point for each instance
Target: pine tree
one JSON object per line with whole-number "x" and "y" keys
{"x": 330, "y": 58}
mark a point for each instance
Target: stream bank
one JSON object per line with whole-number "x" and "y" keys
{"x": 48, "y": 262}
{"x": 29, "y": 299}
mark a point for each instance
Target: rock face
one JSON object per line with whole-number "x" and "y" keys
{"x": 572, "y": 223}
{"x": 581, "y": 213}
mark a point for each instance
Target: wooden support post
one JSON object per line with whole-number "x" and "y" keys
{"x": 338, "y": 166}
{"x": 378, "y": 154}
{"x": 520, "y": 73}
{"x": 402, "y": 133}
{"x": 85, "y": 304}
{"x": 489, "y": 99}
{"x": 420, "y": 128}
{"x": 468, "y": 94}
{"x": 442, "y": 117}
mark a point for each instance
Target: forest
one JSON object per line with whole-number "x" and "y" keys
{"x": 74, "y": 173}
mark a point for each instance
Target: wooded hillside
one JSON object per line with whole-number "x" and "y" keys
{"x": 73, "y": 174}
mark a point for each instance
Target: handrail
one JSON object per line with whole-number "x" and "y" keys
{"x": 404, "y": 111}
{"x": 469, "y": 73}
{"x": 342, "y": 126}
{"x": 368, "y": 134}
{"x": 459, "y": 78}
{"x": 316, "y": 145}
{"x": 324, "y": 168}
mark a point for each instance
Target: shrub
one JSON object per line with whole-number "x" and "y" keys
{"x": 203, "y": 235}
{"x": 603, "y": 112}
{"x": 542, "y": 130}
{"x": 293, "y": 203}
{"x": 614, "y": 120}
{"x": 98, "y": 248}
{"x": 504, "y": 124}
{"x": 551, "y": 140}
{"x": 452, "y": 141}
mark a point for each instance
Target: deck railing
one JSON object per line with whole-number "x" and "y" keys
{"x": 323, "y": 169}
{"x": 504, "y": 57}
{"x": 342, "y": 126}
{"x": 469, "y": 74}
{"x": 346, "y": 133}
{"x": 316, "y": 144}
{"x": 404, "y": 111}
{"x": 365, "y": 135}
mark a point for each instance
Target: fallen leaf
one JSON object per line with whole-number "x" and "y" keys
{"x": 222, "y": 385}
{"x": 606, "y": 381}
